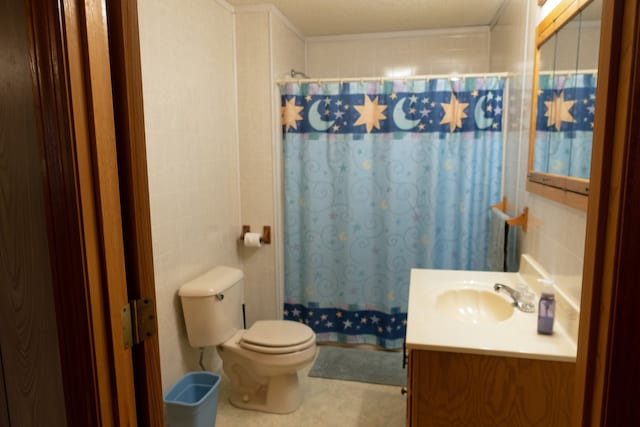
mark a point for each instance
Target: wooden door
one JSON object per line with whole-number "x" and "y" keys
{"x": 31, "y": 391}
{"x": 608, "y": 377}
{"x": 59, "y": 184}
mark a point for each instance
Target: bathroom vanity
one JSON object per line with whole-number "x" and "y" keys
{"x": 475, "y": 360}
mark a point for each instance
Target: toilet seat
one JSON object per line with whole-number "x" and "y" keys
{"x": 277, "y": 337}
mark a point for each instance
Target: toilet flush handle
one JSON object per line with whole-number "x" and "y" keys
{"x": 220, "y": 297}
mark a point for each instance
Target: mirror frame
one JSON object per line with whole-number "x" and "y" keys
{"x": 567, "y": 190}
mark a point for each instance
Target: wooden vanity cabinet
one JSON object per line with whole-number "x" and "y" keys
{"x": 459, "y": 389}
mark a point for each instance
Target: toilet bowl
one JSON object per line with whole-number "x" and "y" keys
{"x": 263, "y": 361}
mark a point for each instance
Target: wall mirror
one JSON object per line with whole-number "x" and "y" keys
{"x": 563, "y": 102}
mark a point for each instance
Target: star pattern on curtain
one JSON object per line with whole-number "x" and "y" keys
{"x": 370, "y": 113}
{"x": 558, "y": 111}
{"x": 454, "y": 113}
{"x": 291, "y": 114}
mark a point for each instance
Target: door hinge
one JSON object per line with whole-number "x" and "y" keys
{"x": 138, "y": 321}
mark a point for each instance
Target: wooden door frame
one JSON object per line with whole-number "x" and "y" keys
{"x": 126, "y": 72}
{"x": 73, "y": 98}
{"x": 608, "y": 376}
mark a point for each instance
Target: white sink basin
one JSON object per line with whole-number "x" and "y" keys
{"x": 474, "y": 306}
{"x": 458, "y": 311}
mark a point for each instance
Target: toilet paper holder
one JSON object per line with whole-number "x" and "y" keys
{"x": 266, "y": 233}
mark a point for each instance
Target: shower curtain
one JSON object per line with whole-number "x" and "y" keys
{"x": 381, "y": 177}
{"x": 564, "y": 123}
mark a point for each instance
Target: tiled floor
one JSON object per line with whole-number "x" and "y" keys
{"x": 326, "y": 403}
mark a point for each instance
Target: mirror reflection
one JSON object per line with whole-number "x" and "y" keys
{"x": 566, "y": 80}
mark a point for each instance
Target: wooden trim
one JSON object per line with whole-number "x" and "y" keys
{"x": 87, "y": 205}
{"x": 574, "y": 200}
{"x": 608, "y": 342}
{"x": 621, "y": 382}
{"x": 594, "y": 298}
{"x": 555, "y": 20}
{"x": 89, "y": 395}
{"x": 124, "y": 45}
{"x": 73, "y": 94}
{"x": 101, "y": 164}
{"x": 410, "y": 385}
{"x": 601, "y": 261}
{"x": 534, "y": 107}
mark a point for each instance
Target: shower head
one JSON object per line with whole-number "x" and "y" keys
{"x": 295, "y": 73}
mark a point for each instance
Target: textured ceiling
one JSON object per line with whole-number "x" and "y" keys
{"x": 333, "y": 17}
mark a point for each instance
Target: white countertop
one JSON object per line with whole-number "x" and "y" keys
{"x": 429, "y": 329}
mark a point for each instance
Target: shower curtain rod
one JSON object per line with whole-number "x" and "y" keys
{"x": 364, "y": 79}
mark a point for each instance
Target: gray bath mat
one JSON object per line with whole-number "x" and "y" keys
{"x": 364, "y": 365}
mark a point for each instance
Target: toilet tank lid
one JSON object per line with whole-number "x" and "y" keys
{"x": 213, "y": 282}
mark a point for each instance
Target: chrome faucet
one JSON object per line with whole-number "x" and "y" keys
{"x": 518, "y": 301}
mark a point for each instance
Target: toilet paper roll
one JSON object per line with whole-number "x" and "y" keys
{"x": 252, "y": 240}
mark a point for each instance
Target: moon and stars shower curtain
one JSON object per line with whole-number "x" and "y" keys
{"x": 381, "y": 177}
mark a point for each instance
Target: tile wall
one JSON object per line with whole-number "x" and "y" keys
{"x": 508, "y": 39}
{"x": 187, "y": 52}
{"x": 256, "y": 154}
{"x": 267, "y": 48}
{"x": 556, "y": 234}
{"x": 463, "y": 50}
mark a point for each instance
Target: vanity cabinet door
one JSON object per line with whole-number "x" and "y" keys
{"x": 409, "y": 386}
{"x": 449, "y": 389}
{"x": 418, "y": 389}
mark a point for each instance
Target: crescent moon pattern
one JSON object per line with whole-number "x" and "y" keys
{"x": 399, "y": 117}
{"x": 418, "y": 108}
{"x": 482, "y": 122}
{"x": 315, "y": 119}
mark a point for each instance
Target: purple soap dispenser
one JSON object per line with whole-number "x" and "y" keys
{"x": 546, "y": 308}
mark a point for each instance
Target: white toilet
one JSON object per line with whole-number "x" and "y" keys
{"x": 262, "y": 362}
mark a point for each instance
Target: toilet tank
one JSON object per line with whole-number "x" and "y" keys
{"x": 212, "y": 306}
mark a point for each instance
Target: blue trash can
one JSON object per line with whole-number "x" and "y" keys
{"x": 193, "y": 401}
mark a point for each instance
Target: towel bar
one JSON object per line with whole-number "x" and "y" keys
{"x": 520, "y": 220}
